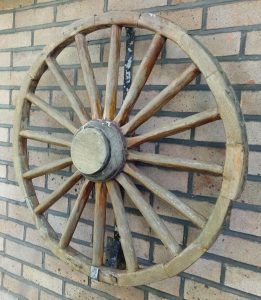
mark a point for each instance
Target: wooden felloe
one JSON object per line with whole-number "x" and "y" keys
{"x": 103, "y": 148}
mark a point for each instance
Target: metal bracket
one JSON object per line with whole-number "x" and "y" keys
{"x": 94, "y": 274}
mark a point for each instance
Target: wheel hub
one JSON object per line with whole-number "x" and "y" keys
{"x": 99, "y": 150}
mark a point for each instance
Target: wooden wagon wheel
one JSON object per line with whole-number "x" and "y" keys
{"x": 101, "y": 149}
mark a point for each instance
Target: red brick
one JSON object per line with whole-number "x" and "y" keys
{"x": 100, "y": 76}
{"x": 6, "y": 21}
{"x": 69, "y": 55}
{"x": 21, "y": 213}
{"x": 140, "y": 48}
{"x": 15, "y": 40}
{"x": 11, "y": 228}
{"x": 120, "y": 292}
{"x": 174, "y": 51}
{"x": 48, "y": 79}
{"x": 244, "y": 72}
{"x": 27, "y": 254}
{"x": 7, "y": 116}
{"x": 157, "y": 122}
{"x": 39, "y": 118}
{"x": 4, "y": 95}
{"x": 6, "y": 296}
{"x": 163, "y": 208}
{"x": 171, "y": 180}
{"x": 43, "y": 279}
{"x": 6, "y": 154}
{"x": 34, "y": 17}
{"x": 3, "y": 171}
{"x": 176, "y": 2}
{"x": 4, "y": 5}
{"x": 170, "y": 286}
{"x": 245, "y": 221}
{"x": 244, "y": 280}
{"x": 5, "y": 60}
{"x": 254, "y": 132}
{"x": 206, "y": 185}
{"x": 20, "y": 288}
{"x": 254, "y": 163}
{"x": 85, "y": 250}
{"x": 46, "y": 296}
{"x": 134, "y": 5}
{"x": 12, "y": 77}
{"x": 55, "y": 265}
{"x": 238, "y": 249}
{"x": 61, "y": 205}
{"x": 142, "y": 248}
{"x": 251, "y": 193}
{"x": 212, "y": 132}
{"x": 253, "y": 43}
{"x": 250, "y": 102}
{"x": 24, "y": 58}
{"x": 1, "y": 244}
{"x": 235, "y": 14}
{"x": 163, "y": 74}
{"x": 33, "y": 237}
{"x": 107, "y": 50}
{"x": 77, "y": 293}
{"x": 221, "y": 44}
{"x": 4, "y": 134}
{"x": 195, "y": 290}
{"x": 161, "y": 254}
{"x": 138, "y": 224}
{"x": 205, "y": 268}
{"x": 79, "y": 9}
{"x": 188, "y": 19}
{"x": 10, "y": 191}
{"x": 3, "y": 210}
{"x": 155, "y": 297}
{"x": 82, "y": 232}
{"x": 196, "y": 153}
{"x": 10, "y": 265}
{"x": 46, "y": 36}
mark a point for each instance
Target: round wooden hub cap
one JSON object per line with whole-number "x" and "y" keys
{"x": 90, "y": 150}
{"x": 98, "y": 150}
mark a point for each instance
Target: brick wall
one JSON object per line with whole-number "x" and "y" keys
{"x": 231, "y": 30}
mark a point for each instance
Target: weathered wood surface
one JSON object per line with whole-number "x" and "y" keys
{"x": 123, "y": 226}
{"x": 88, "y": 76}
{"x": 76, "y": 214}
{"x": 99, "y": 223}
{"x": 112, "y": 74}
{"x": 175, "y": 162}
{"x": 227, "y": 110}
{"x": 140, "y": 79}
{"x": 58, "y": 193}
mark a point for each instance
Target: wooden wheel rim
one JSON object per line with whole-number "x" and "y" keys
{"x": 236, "y": 145}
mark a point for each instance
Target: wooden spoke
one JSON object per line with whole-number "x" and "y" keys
{"x": 162, "y": 98}
{"x": 66, "y": 87}
{"x": 37, "y": 136}
{"x": 140, "y": 79}
{"x": 88, "y": 75}
{"x": 52, "y": 112}
{"x": 58, "y": 193}
{"x": 48, "y": 168}
{"x": 123, "y": 226}
{"x": 178, "y": 126}
{"x": 149, "y": 214}
{"x": 76, "y": 214}
{"x": 99, "y": 223}
{"x": 177, "y": 163}
{"x": 113, "y": 73}
{"x": 165, "y": 195}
